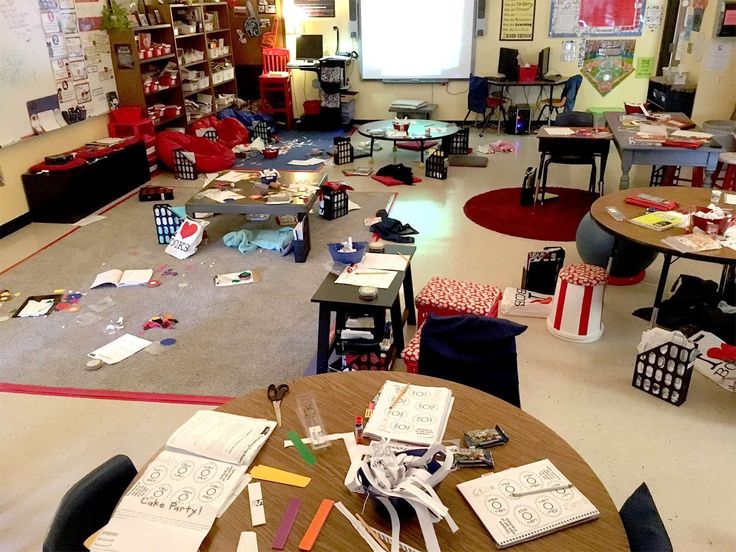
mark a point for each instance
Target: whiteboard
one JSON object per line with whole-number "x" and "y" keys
{"x": 25, "y": 72}
{"x": 417, "y": 40}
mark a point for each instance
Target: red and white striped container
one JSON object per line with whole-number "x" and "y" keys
{"x": 577, "y": 306}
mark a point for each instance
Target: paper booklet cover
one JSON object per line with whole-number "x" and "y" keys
{"x": 419, "y": 417}
{"x": 120, "y": 278}
{"x": 511, "y": 520}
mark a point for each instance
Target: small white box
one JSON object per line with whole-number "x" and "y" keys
{"x": 228, "y": 73}
{"x": 203, "y": 83}
{"x": 217, "y": 77}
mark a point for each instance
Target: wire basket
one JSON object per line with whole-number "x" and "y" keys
{"x": 210, "y": 134}
{"x": 436, "y": 165}
{"x": 344, "y": 152}
{"x": 665, "y": 372}
{"x": 183, "y": 168}
{"x": 334, "y": 204}
{"x": 458, "y": 143}
{"x": 263, "y": 131}
{"x": 167, "y": 223}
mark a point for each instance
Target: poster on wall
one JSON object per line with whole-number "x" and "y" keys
{"x": 316, "y": 8}
{"x": 596, "y": 17}
{"x": 607, "y": 63}
{"x": 517, "y": 19}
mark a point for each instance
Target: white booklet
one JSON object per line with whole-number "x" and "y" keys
{"x": 122, "y": 278}
{"x": 419, "y": 416}
{"x": 514, "y": 508}
{"x": 220, "y": 436}
{"x": 124, "y": 346}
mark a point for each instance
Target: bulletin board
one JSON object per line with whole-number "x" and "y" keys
{"x": 596, "y": 17}
{"x": 56, "y": 58}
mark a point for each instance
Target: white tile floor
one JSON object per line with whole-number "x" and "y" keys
{"x": 583, "y": 392}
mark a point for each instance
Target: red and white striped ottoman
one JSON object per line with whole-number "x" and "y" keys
{"x": 410, "y": 354}
{"x": 577, "y": 306}
{"x": 448, "y": 297}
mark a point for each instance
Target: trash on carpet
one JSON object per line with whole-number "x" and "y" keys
{"x": 498, "y": 146}
{"x": 163, "y": 321}
{"x": 234, "y": 278}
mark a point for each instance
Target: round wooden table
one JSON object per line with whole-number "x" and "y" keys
{"x": 342, "y": 396}
{"x": 686, "y": 198}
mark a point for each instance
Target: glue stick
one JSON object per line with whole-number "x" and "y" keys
{"x": 359, "y": 430}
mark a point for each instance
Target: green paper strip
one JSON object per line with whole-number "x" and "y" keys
{"x": 303, "y": 449}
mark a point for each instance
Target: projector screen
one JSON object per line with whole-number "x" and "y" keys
{"x": 416, "y": 40}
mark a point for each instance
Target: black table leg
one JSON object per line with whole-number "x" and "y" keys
{"x": 409, "y": 296}
{"x": 660, "y": 288}
{"x": 372, "y": 142}
{"x": 601, "y": 180}
{"x": 421, "y": 151}
{"x": 397, "y": 325}
{"x": 323, "y": 338}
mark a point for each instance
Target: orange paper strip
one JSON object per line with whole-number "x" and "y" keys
{"x": 310, "y": 537}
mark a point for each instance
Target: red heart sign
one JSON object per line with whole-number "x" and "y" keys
{"x": 188, "y": 229}
{"x": 725, "y": 352}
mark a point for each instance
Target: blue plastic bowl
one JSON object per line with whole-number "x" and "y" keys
{"x": 348, "y": 258}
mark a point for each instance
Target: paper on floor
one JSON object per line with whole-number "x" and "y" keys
{"x": 120, "y": 349}
{"x": 306, "y": 162}
{"x": 89, "y": 220}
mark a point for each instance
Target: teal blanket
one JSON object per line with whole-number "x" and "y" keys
{"x": 250, "y": 240}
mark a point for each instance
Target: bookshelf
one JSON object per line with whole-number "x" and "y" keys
{"x": 147, "y": 72}
{"x": 203, "y": 47}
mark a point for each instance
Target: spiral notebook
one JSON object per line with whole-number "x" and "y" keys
{"x": 513, "y": 519}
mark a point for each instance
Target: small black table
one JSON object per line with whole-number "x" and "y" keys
{"x": 343, "y": 300}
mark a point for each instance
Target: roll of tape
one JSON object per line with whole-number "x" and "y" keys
{"x": 367, "y": 292}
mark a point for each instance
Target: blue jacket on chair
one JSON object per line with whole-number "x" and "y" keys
{"x": 570, "y": 92}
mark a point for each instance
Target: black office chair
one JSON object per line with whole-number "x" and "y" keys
{"x": 643, "y": 524}
{"x": 473, "y": 350}
{"x": 88, "y": 505}
{"x": 571, "y": 157}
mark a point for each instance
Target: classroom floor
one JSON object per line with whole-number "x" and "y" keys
{"x": 582, "y": 391}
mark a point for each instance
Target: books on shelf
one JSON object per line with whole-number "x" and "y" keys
{"x": 660, "y": 220}
{"x": 514, "y": 506}
{"x": 410, "y": 413}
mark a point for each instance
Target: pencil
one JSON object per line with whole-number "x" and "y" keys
{"x": 372, "y": 532}
{"x": 398, "y": 397}
{"x": 405, "y": 257}
{"x": 542, "y": 490}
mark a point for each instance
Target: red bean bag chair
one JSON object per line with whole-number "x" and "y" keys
{"x": 208, "y": 156}
{"x": 204, "y": 123}
{"x": 231, "y": 132}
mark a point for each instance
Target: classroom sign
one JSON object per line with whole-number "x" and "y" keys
{"x": 517, "y": 19}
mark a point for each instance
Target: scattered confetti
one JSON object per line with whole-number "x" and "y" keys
{"x": 95, "y": 364}
{"x": 168, "y": 342}
{"x": 183, "y": 285}
{"x": 164, "y": 321}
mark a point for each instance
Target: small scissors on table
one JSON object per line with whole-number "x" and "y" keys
{"x": 275, "y": 394}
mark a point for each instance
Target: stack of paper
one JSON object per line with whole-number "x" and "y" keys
{"x": 174, "y": 503}
{"x": 405, "y": 104}
{"x": 419, "y": 416}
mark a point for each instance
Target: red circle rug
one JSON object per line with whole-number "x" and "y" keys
{"x": 556, "y": 220}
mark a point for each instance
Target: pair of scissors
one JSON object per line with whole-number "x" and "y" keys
{"x": 275, "y": 394}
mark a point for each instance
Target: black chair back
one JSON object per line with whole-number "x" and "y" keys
{"x": 574, "y": 119}
{"x": 473, "y": 350}
{"x": 88, "y": 505}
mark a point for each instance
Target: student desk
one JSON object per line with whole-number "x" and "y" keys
{"x": 340, "y": 397}
{"x": 343, "y": 299}
{"x": 686, "y": 198}
{"x": 640, "y": 154}
{"x": 596, "y": 143}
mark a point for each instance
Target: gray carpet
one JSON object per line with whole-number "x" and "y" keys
{"x": 229, "y": 340}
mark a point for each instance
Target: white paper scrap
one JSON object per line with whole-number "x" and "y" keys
{"x": 257, "y": 511}
{"x": 377, "y": 278}
{"x": 233, "y": 176}
{"x": 120, "y": 349}
{"x": 306, "y": 162}
{"x": 248, "y": 542}
{"x": 89, "y": 220}
{"x": 559, "y": 131}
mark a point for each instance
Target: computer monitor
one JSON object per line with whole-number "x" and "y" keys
{"x": 309, "y": 47}
{"x": 508, "y": 63}
{"x": 542, "y": 63}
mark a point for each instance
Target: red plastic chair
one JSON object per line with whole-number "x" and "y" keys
{"x": 276, "y": 89}
{"x": 129, "y": 121}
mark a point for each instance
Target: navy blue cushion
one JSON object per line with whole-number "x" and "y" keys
{"x": 644, "y": 527}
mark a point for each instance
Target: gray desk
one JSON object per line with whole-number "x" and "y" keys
{"x": 426, "y": 111}
{"x": 342, "y": 299}
{"x": 638, "y": 154}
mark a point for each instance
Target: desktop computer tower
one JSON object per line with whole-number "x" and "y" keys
{"x": 519, "y": 119}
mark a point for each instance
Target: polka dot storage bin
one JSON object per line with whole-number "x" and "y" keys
{"x": 410, "y": 354}
{"x": 665, "y": 372}
{"x": 448, "y": 297}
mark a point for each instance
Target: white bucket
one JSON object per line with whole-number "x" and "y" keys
{"x": 576, "y": 312}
